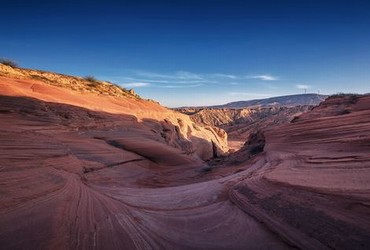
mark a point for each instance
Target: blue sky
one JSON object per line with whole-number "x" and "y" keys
{"x": 191, "y": 52}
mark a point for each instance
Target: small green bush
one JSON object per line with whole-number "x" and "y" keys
{"x": 8, "y": 62}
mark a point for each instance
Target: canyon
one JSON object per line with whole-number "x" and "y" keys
{"x": 88, "y": 165}
{"x": 241, "y": 123}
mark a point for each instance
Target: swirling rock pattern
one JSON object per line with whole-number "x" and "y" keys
{"x": 74, "y": 175}
{"x": 314, "y": 189}
{"x": 98, "y": 187}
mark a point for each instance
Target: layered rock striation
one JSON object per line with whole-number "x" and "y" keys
{"x": 85, "y": 170}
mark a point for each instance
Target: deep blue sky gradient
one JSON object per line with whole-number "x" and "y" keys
{"x": 196, "y": 52}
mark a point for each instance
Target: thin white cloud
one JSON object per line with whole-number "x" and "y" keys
{"x": 161, "y": 81}
{"x": 135, "y": 84}
{"x": 123, "y": 79}
{"x": 181, "y": 79}
{"x": 187, "y": 75}
{"x": 151, "y": 74}
{"x": 302, "y": 86}
{"x": 179, "y": 75}
{"x": 223, "y": 75}
{"x": 180, "y": 86}
{"x": 184, "y": 75}
{"x": 264, "y": 77}
{"x": 134, "y": 79}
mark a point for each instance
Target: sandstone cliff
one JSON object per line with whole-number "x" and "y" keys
{"x": 92, "y": 171}
{"x": 241, "y": 123}
{"x": 176, "y": 129}
{"x": 313, "y": 186}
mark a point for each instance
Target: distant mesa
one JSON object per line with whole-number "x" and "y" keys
{"x": 286, "y": 101}
{"x": 283, "y": 101}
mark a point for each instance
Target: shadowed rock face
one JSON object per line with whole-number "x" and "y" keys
{"x": 80, "y": 171}
{"x": 241, "y": 123}
{"x": 73, "y": 178}
{"x": 86, "y": 171}
{"x": 314, "y": 189}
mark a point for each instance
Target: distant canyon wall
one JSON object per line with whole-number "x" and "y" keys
{"x": 241, "y": 123}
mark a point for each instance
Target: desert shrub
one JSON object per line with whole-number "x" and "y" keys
{"x": 8, "y": 62}
{"x": 337, "y": 94}
{"x": 119, "y": 87}
{"x": 90, "y": 79}
{"x": 93, "y": 82}
{"x": 353, "y": 99}
{"x": 341, "y": 94}
{"x": 41, "y": 78}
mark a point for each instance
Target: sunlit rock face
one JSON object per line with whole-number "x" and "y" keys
{"x": 241, "y": 123}
{"x": 87, "y": 171}
{"x": 176, "y": 129}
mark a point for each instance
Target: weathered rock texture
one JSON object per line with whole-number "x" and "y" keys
{"x": 313, "y": 186}
{"x": 82, "y": 171}
{"x": 176, "y": 129}
{"x": 241, "y": 123}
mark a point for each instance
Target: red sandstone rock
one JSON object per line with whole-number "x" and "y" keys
{"x": 88, "y": 171}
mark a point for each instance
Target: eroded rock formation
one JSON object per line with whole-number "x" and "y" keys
{"x": 241, "y": 123}
{"x": 177, "y": 129}
{"x": 85, "y": 171}
{"x": 313, "y": 188}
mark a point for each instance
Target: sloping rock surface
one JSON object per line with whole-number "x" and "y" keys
{"x": 87, "y": 171}
{"x": 314, "y": 189}
{"x": 241, "y": 123}
{"x": 81, "y": 170}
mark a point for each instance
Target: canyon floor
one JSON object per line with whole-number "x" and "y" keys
{"x": 95, "y": 171}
